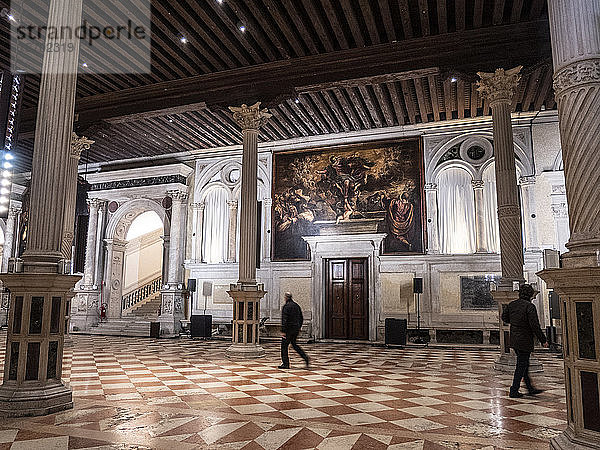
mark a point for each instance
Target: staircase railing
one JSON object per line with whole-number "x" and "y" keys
{"x": 141, "y": 293}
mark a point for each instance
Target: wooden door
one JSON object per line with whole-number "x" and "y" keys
{"x": 346, "y": 299}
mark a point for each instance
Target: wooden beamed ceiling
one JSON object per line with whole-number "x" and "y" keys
{"x": 319, "y": 65}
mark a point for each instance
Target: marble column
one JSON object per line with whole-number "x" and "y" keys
{"x": 233, "y": 215}
{"x": 198, "y": 209}
{"x": 9, "y": 237}
{"x": 498, "y": 88}
{"x": 78, "y": 145}
{"x": 247, "y": 293}
{"x": 575, "y": 36}
{"x": 480, "y": 224}
{"x": 32, "y": 376}
{"x": 86, "y": 305}
{"x": 560, "y": 214}
{"x": 172, "y": 306}
{"x": 529, "y": 215}
{"x": 433, "y": 237}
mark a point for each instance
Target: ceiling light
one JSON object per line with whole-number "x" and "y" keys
{"x": 84, "y": 65}
{"x": 3, "y": 199}
{"x": 5, "y": 182}
{"x": 3, "y": 209}
{"x": 7, "y": 165}
{"x": 4, "y": 191}
{"x": 297, "y": 100}
{"x": 220, "y": 2}
{"x": 9, "y": 156}
{"x": 183, "y": 40}
{"x": 7, "y": 174}
{"x": 242, "y": 27}
{"x": 454, "y": 80}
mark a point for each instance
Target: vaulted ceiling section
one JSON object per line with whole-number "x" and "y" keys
{"x": 321, "y": 66}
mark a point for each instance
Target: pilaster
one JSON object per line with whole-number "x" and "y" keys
{"x": 9, "y": 237}
{"x": 233, "y": 214}
{"x": 433, "y": 238}
{"x": 480, "y": 223}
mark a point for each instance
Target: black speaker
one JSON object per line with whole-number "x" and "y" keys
{"x": 207, "y": 289}
{"x": 554, "y": 305}
{"x": 201, "y": 326}
{"x": 155, "y": 330}
{"x": 418, "y": 285}
{"x": 395, "y": 331}
{"x": 191, "y": 287}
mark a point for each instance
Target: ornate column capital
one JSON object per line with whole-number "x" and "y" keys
{"x": 199, "y": 206}
{"x": 478, "y": 184}
{"x": 499, "y": 86}
{"x": 267, "y": 202}
{"x": 79, "y": 144}
{"x": 178, "y": 196}
{"x": 233, "y": 204}
{"x": 431, "y": 187}
{"x": 250, "y": 117}
{"x": 13, "y": 212}
{"x": 560, "y": 211}
{"x": 95, "y": 203}
{"x": 527, "y": 180}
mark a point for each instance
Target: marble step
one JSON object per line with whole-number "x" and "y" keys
{"x": 122, "y": 327}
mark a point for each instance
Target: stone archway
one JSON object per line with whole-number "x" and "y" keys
{"x": 116, "y": 233}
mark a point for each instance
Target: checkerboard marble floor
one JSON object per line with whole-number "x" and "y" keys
{"x": 134, "y": 393}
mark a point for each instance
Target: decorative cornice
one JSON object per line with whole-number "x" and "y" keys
{"x": 178, "y": 196}
{"x": 499, "y": 86}
{"x": 139, "y": 182}
{"x": 527, "y": 180}
{"x": 79, "y": 144}
{"x": 250, "y": 117}
{"x": 576, "y": 74}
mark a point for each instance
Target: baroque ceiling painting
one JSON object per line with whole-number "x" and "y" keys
{"x": 374, "y": 188}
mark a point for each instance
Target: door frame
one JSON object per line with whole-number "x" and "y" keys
{"x": 345, "y": 246}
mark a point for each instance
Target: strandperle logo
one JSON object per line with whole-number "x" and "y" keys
{"x": 85, "y": 32}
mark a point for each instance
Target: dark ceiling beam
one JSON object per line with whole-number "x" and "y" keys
{"x": 442, "y": 15}
{"x": 388, "y": 21}
{"x": 461, "y": 15}
{"x": 396, "y": 102}
{"x": 421, "y": 99}
{"x": 372, "y": 27}
{"x": 283, "y": 24}
{"x": 157, "y": 113}
{"x": 333, "y": 104}
{"x": 506, "y": 45}
{"x": 386, "y": 107}
{"x": 353, "y": 23}
{"x": 319, "y": 25}
{"x": 291, "y": 7}
{"x": 348, "y": 110}
{"x": 498, "y": 12}
{"x": 424, "y": 15}
{"x": 478, "y": 14}
{"x": 517, "y": 9}
{"x": 433, "y": 92}
{"x": 405, "y": 17}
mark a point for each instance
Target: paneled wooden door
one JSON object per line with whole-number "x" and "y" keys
{"x": 346, "y": 299}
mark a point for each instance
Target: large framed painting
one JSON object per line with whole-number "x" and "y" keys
{"x": 365, "y": 188}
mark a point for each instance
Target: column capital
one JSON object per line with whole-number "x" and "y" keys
{"x": 95, "y": 203}
{"x": 199, "y": 206}
{"x": 267, "y": 201}
{"x": 478, "y": 184}
{"x": 576, "y": 74}
{"x": 79, "y": 144}
{"x": 178, "y": 196}
{"x": 560, "y": 211}
{"x": 431, "y": 187}
{"x": 233, "y": 204}
{"x": 13, "y": 212}
{"x": 528, "y": 180}
{"x": 250, "y": 117}
{"x": 500, "y": 86}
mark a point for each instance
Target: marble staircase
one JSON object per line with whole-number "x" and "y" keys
{"x": 123, "y": 327}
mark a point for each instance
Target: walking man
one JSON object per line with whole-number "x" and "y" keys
{"x": 291, "y": 322}
{"x": 524, "y": 325}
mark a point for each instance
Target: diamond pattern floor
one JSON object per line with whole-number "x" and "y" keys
{"x": 184, "y": 394}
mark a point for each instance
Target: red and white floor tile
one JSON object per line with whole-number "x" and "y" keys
{"x": 141, "y": 393}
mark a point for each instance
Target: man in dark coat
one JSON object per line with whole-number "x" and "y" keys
{"x": 524, "y": 325}
{"x": 291, "y": 322}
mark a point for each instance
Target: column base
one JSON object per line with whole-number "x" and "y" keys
{"x": 171, "y": 312}
{"x": 85, "y": 310}
{"x": 34, "y": 399}
{"x": 245, "y": 351}
{"x": 507, "y": 362}
{"x": 566, "y": 441}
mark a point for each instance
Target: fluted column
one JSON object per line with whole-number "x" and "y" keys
{"x": 499, "y": 88}
{"x": 233, "y": 214}
{"x": 9, "y": 237}
{"x": 176, "y": 247}
{"x": 78, "y": 145}
{"x": 35, "y": 340}
{"x": 250, "y": 119}
{"x": 480, "y": 224}
{"x": 575, "y": 34}
{"x": 433, "y": 237}
{"x": 51, "y": 179}
{"x": 530, "y": 218}
{"x": 247, "y": 293}
{"x": 198, "y": 209}
{"x": 90, "y": 248}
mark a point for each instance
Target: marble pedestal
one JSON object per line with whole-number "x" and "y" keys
{"x": 85, "y": 310}
{"x": 246, "y": 321}
{"x": 171, "y": 312}
{"x": 34, "y": 348}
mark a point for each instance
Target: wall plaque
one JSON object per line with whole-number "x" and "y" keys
{"x": 476, "y": 293}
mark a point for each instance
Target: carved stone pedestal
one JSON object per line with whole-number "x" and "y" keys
{"x": 507, "y": 360}
{"x": 246, "y": 320}
{"x": 34, "y": 348}
{"x": 171, "y": 312}
{"x": 85, "y": 310}
{"x": 579, "y": 291}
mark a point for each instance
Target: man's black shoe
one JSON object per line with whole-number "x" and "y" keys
{"x": 283, "y": 366}
{"x": 515, "y": 395}
{"x": 307, "y": 363}
{"x": 535, "y": 391}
